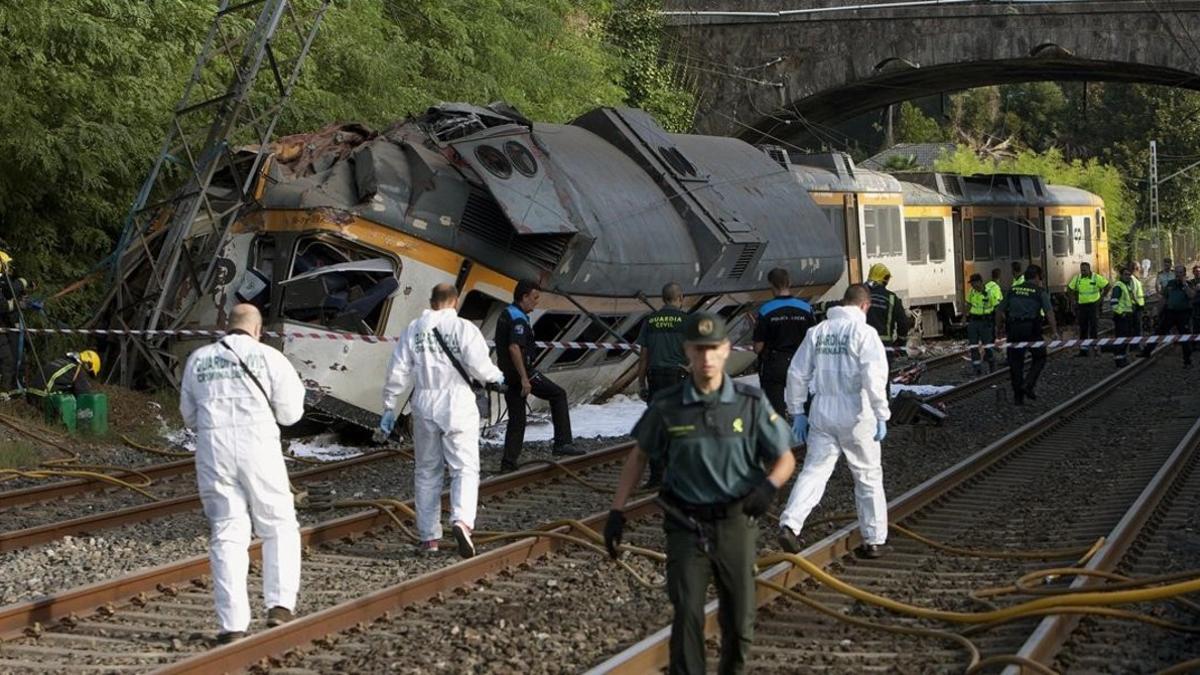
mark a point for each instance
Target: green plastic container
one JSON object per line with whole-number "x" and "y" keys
{"x": 60, "y": 409}
{"x": 91, "y": 414}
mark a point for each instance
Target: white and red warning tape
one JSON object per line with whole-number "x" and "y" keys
{"x": 560, "y": 344}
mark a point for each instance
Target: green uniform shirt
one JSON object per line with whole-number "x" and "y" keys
{"x": 1175, "y": 294}
{"x": 993, "y": 290}
{"x": 662, "y": 334}
{"x": 1088, "y": 287}
{"x": 1139, "y": 294}
{"x": 714, "y": 450}
{"x": 1026, "y": 303}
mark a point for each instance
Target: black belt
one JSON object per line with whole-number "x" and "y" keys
{"x": 699, "y": 511}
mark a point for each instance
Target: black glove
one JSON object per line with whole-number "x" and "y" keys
{"x": 614, "y": 529}
{"x": 644, "y": 394}
{"x": 498, "y": 387}
{"x": 759, "y": 500}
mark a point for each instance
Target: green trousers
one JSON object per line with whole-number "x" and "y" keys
{"x": 730, "y": 562}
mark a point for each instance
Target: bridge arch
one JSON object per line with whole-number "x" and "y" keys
{"x": 786, "y": 71}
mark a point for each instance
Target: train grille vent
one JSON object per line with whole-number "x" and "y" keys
{"x": 743, "y": 261}
{"x": 485, "y": 220}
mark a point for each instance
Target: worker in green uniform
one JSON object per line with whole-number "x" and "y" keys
{"x": 1123, "y": 308}
{"x": 1176, "y": 312}
{"x": 1027, "y": 305}
{"x": 992, "y": 287}
{"x": 1139, "y": 304}
{"x": 662, "y": 363}
{"x": 727, "y": 453}
{"x": 981, "y": 308}
{"x": 1088, "y": 289}
{"x": 1018, "y": 277}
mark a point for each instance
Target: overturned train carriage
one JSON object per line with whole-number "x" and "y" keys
{"x": 351, "y": 230}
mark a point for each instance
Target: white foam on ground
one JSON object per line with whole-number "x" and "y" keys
{"x": 614, "y": 417}
{"x": 921, "y": 389}
{"x": 323, "y": 447}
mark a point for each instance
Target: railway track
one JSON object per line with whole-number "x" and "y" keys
{"x": 150, "y": 619}
{"x": 1048, "y": 485}
{"x": 34, "y": 516}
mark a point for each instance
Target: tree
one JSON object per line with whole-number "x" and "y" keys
{"x": 915, "y": 126}
{"x": 91, "y": 84}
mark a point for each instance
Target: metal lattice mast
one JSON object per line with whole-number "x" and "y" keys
{"x": 166, "y": 257}
{"x": 1154, "y": 195}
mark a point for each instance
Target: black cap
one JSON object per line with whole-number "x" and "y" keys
{"x": 704, "y": 328}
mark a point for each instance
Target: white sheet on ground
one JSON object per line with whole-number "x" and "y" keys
{"x": 323, "y": 447}
{"x": 921, "y": 389}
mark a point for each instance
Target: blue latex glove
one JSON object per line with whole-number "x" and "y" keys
{"x": 880, "y": 431}
{"x": 387, "y": 422}
{"x": 799, "y": 428}
{"x": 36, "y": 305}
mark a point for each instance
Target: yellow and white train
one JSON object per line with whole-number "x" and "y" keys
{"x": 352, "y": 228}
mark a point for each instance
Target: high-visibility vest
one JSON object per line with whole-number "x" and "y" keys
{"x": 993, "y": 289}
{"x": 982, "y": 303}
{"x": 1122, "y": 298}
{"x": 1088, "y": 288}
{"x": 1139, "y": 294}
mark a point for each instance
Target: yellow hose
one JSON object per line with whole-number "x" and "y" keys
{"x": 154, "y": 451}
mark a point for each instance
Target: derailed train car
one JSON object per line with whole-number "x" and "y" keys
{"x": 351, "y": 229}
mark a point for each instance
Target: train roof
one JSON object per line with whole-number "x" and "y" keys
{"x": 609, "y": 204}
{"x": 916, "y": 194}
{"x": 836, "y": 172}
{"x": 1000, "y": 189}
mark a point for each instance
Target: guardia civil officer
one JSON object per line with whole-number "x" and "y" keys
{"x": 1088, "y": 289}
{"x": 780, "y": 328}
{"x": 727, "y": 454}
{"x": 430, "y": 354}
{"x": 842, "y": 367}
{"x": 514, "y": 355}
{"x": 662, "y": 363}
{"x": 1024, "y": 308}
{"x": 981, "y": 318}
{"x": 887, "y": 314}
{"x": 234, "y": 394}
{"x": 1123, "y": 303}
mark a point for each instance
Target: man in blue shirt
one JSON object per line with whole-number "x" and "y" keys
{"x": 781, "y": 325}
{"x": 514, "y": 355}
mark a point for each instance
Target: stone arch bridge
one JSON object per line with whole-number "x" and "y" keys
{"x": 773, "y": 67}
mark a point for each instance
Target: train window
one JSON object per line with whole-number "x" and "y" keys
{"x": 1099, "y": 224}
{"x": 912, "y": 241}
{"x": 1087, "y": 236}
{"x": 477, "y": 305}
{"x": 339, "y": 287}
{"x": 836, "y": 216}
{"x": 968, "y": 239}
{"x": 1060, "y": 235}
{"x": 936, "y": 236}
{"x": 1000, "y": 236}
{"x": 983, "y": 238}
{"x": 895, "y": 228}
{"x": 870, "y": 233}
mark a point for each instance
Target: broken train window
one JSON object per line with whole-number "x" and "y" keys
{"x": 339, "y": 286}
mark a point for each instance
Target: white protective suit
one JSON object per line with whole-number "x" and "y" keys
{"x": 444, "y": 415}
{"x": 843, "y": 365}
{"x": 240, "y": 469}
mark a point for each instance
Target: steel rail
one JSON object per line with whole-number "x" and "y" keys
{"x": 40, "y": 534}
{"x": 651, "y": 653}
{"x": 1052, "y": 632}
{"x": 15, "y": 618}
{"x": 74, "y": 486}
{"x": 248, "y": 651}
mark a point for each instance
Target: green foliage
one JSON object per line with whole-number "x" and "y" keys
{"x": 1091, "y": 175}
{"x": 915, "y": 126}
{"x": 90, "y": 85}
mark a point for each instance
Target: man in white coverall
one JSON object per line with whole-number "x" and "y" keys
{"x": 842, "y": 364}
{"x": 445, "y": 416}
{"x": 239, "y": 466}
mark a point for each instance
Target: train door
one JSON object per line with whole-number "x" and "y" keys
{"x": 1042, "y": 241}
{"x": 853, "y": 245}
{"x": 959, "y": 261}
